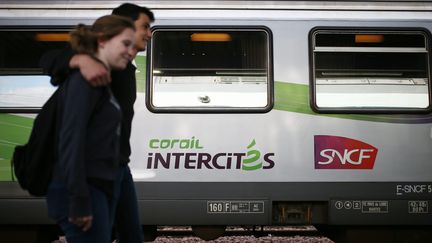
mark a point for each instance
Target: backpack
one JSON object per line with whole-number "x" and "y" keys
{"x": 33, "y": 163}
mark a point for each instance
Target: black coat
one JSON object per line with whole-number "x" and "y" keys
{"x": 123, "y": 86}
{"x": 88, "y": 140}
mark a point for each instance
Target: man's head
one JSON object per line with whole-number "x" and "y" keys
{"x": 142, "y": 18}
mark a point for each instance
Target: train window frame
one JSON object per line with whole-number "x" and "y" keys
{"x": 211, "y": 109}
{"x": 368, "y": 109}
{"x": 31, "y": 72}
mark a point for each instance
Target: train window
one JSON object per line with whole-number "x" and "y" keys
{"x": 370, "y": 70}
{"x": 22, "y": 84}
{"x": 210, "y": 70}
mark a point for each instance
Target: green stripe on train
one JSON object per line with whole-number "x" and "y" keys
{"x": 14, "y": 130}
{"x": 295, "y": 98}
{"x": 140, "y": 62}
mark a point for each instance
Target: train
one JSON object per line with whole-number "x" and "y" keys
{"x": 252, "y": 113}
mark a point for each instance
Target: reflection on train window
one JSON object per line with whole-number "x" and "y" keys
{"x": 22, "y": 84}
{"x": 210, "y": 69}
{"x": 360, "y": 70}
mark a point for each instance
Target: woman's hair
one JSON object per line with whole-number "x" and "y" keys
{"x": 84, "y": 39}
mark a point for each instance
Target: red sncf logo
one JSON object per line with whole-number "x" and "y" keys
{"x": 333, "y": 152}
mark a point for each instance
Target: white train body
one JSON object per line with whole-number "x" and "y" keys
{"x": 262, "y": 151}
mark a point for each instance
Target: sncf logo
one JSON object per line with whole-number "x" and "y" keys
{"x": 333, "y": 152}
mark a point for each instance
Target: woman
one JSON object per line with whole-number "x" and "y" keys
{"x": 80, "y": 196}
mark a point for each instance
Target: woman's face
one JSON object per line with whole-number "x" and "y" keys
{"x": 120, "y": 49}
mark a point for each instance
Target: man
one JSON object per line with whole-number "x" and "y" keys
{"x": 123, "y": 86}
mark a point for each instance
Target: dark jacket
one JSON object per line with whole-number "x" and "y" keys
{"x": 88, "y": 140}
{"x": 123, "y": 86}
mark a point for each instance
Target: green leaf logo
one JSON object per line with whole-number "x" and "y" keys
{"x": 251, "y": 162}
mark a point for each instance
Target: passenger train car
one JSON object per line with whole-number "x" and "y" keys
{"x": 253, "y": 113}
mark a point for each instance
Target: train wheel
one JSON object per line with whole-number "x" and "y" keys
{"x": 150, "y": 232}
{"x": 209, "y": 232}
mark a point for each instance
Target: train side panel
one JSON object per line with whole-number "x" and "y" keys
{"x": 291, "y": 165}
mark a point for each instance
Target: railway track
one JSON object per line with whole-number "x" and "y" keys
{"x": 239, "y": 234}
{"x": 289, "y": 234}
{"x": 245, "y": 234}
{"x": 246, "y": 230}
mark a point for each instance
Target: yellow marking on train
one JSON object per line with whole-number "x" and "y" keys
{"x": 369, "y": 38}
{"x": 222, "y": 37}
{"x": 48, "y": 37}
